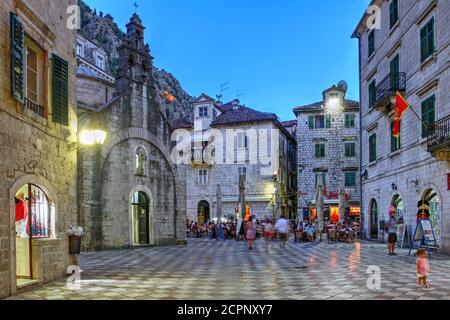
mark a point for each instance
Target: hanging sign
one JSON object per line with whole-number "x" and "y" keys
{"x": 424, "y": 234}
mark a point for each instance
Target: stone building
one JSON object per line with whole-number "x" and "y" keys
{"x": 130, "y": 191}
{"x": 38, "y": 140}
{"x": 409, "y": 53}
{"x": 328, "y": 149}
{"x": 230, "y": 140}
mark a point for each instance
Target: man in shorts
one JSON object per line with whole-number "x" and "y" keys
{"x": 282, "y": 226}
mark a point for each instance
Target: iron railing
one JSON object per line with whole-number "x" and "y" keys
{"x": 389, "y": 86}
{"x": 34, "y": 107}
{"x": 438, "y": 134}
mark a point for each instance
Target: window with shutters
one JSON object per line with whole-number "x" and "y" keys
{"x": 242, "y": 140}
{"x": 242, "y": 171}
{"x": 321, "y": 176}
{"x": 373, "y": 148}
{"x": 428, "y": 114}
{"x": 371, "y": 43}
{"x": 393, "y": 13}
{"x": 349, "y": 120}
{"x": 60, "y": 90}
{"x": 17, "y": 37}
{"x": 350, "y": 149}
{"x": 427, "y": 46}
{"x": 372, "y": 93}
{"x": 320, "y": 150}
{"x": 350, "y": 179}
{"x": 34, "y": 73}
{"x": 202, "y": 177}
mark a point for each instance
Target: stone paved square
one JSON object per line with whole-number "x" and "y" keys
{"x": 211, "y": 270}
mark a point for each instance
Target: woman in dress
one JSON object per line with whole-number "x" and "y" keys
{"x": 251, "y": 233}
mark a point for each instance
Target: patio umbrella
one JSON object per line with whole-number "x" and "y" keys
{"x": 342, "y": 204}
{"x": 320, "y": 204}
{"x": 219, "y": 202}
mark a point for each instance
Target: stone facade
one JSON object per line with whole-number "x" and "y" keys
{"x": 135, "y": 160}
{"x": 261, "y": 154}
{"x": 324, "y": 124}
{"x": 415, "y": 171}
{"x": 33, "y": 148}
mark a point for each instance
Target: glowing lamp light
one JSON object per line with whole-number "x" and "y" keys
{"x": 92, "y": 137}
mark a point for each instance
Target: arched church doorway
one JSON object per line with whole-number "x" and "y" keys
{"x": 140, "y": 219}
{"x": 204, "y": 212}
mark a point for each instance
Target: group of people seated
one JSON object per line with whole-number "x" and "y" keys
{"x": 208, "y": 229}
{"x": 306, "y": 231}
{"x": 342, "y": 232}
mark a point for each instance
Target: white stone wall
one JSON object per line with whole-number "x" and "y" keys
{"x": 259, "y": 185}
{"x": 412, "y": 162}
{"x": 335, "y": 161}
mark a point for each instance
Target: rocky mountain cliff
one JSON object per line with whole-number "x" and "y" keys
{"x": 101, "y": 29}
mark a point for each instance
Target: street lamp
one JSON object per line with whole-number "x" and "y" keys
{"x": 92, "y": 137}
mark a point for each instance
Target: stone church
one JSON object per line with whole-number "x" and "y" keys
{"x": 130, "y": 192}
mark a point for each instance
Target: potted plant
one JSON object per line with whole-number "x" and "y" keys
{"x": 75, "y": 233}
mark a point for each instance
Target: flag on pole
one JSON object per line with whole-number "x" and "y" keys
{"x": 401, "y": 106}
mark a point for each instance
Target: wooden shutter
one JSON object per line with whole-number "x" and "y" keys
{"x": 311, "y": 122}
{"x": 328, "y": 121}
{"x": 60, "y": 83}
{"x": 317, "y": 150}
{"x": 17, "y": 35}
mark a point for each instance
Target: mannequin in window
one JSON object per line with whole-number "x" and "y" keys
{"x": 21, "y": 211}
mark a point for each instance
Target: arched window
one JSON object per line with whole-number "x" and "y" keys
{"x": 35, "y": 215}
{"x": 140, "y": 159}
{"x": 373, "y": 219}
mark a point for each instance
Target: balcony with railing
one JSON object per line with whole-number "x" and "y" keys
{"x": 34, "y": 107}
{"x": 387, "y": 89}
{"x": 438, "y": 139}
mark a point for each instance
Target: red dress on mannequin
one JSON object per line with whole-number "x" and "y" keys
{"x": 21, "y": 210}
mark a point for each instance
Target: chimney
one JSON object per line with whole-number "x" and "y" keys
{"x": 236, "y": 104}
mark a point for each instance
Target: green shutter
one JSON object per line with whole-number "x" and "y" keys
{"x": 373, "y": 148}
{"x": 328, "y": 121}
{"x": 17, "y": 58}
{"x": 311, "y": 122}
{"x": 428, "y": 114}
{"x": 60, "y": 84}
{"x": 349, "y": 120}
{"x": 317, "y": 153}
{"x": 427, "y": 40}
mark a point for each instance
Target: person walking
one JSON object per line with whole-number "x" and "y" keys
{"x": 267, "y": 232}
{"x": 219, "y": 231}
{"x": 251, "y": 233}
{"x": 282, "y": 227}
{"x": 392, "y": 231}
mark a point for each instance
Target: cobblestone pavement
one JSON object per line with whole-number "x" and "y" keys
{"x": 205, "y": 270}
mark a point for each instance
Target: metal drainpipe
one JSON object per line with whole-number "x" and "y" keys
{"x": 362, "y": 230}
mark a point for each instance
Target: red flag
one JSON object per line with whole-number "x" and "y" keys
{"x": 401, "y": 106}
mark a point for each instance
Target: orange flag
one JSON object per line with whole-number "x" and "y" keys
{"x": 401, "y": 106}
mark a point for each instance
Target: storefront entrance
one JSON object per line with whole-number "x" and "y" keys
{"x": 204, "y": 212}
{"x": 373, "y": 220}
{"x": 140, "y": 219}
{"x": 34, "y": 217}
{"x": 431, "y": 199}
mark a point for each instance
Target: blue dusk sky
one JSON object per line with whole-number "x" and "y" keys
{"x": 278, "y": 53}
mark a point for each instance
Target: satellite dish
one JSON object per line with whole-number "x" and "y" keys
{"x": 342, "y": 84}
